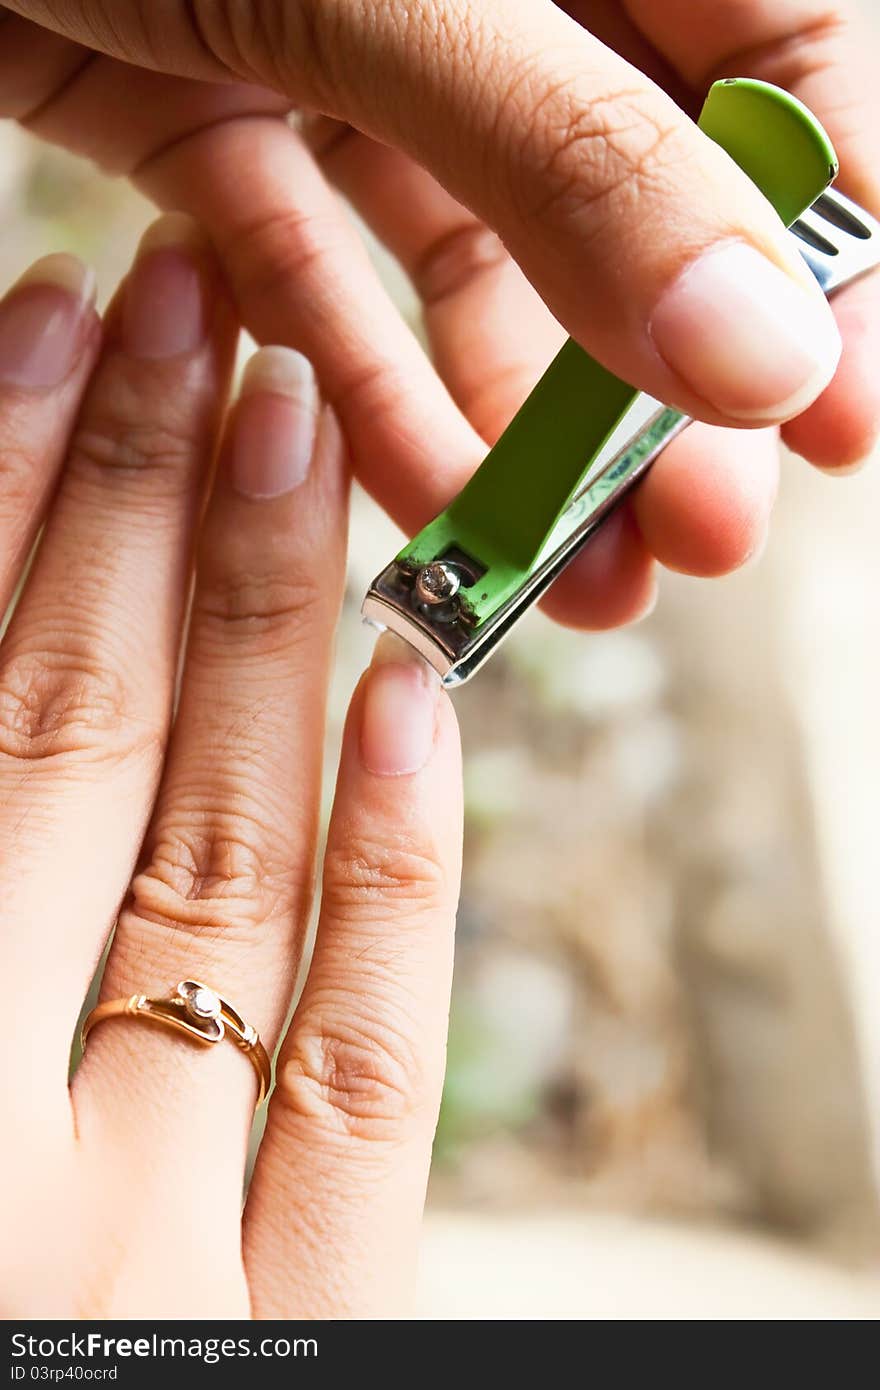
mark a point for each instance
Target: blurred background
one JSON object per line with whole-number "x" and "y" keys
{"x": 664, "y": 1059}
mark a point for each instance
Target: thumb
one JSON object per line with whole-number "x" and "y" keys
{"x": 657, "y": 254}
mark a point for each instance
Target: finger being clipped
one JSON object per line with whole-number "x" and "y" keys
{"x": 332, "y": 1220}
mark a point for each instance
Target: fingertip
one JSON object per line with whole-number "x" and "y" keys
{"x": 610, "y": 583}
{"x": 841, "y": 429}
{"x": 48, "y": 324}
{"x": 705, "y": 507}
{"x": 63, "y": 271}
{"x": 280, "y": 370}
{"x": 272, "y": 431}
{"x": 169, "y": 296}
{"x": 754, "y": 342}
{"x": 399, "y": 787}
{"x": 398, "y": 715}
{"x": 402, "y": 736}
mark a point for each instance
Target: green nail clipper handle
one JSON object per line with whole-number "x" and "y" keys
{"x": 457, "y": 586}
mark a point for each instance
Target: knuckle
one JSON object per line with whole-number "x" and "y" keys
{"x": 218, "y": 877}
{"x": 276, "y": 255}
{"x": 29, "y": 86}
{"x": 599, "y": 157}
{"x": 357, "y": 1078}
{"x": 56, "y": 703}
{"x": 365, "y": 877}
{"x": 256, "y": 41}
{"x": 20, "y": 474}
{"x": 158, "y": 455}
{"x": 273, "y": 607}
{"x": 456, "y": 261}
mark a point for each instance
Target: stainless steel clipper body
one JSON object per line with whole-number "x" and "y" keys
{"x": 458, "y": 588}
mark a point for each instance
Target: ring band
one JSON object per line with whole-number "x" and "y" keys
{"x": 199, "y": 1012}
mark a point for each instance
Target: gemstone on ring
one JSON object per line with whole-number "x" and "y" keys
{"x": 203, "y": 1003}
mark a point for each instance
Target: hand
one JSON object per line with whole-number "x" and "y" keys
{"x": 207, "y": 836}
{"x": 560, "y": 138}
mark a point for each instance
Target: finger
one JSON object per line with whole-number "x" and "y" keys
{"x": 611, "y": 23}
{"x": 298, "y": 270}
{"x": 640, "y": 234}
{"x": 62, "y": 91}
{"x": 840, "y": 431}
{"x": 332, "y": 1219}
{"x": 87, "y": 666}
{"x": 704, "y": 508}
{"x": 301, "y": 276}
{"x": 824, "y": 55}
{"x": 821, "y": 52}
{"x": 223, "y": 890}
{"x": 33, "y": 63}
{"x": 491, "y": 336}
{"x": 611, "y": 582}
{"x": 49, "y": 340}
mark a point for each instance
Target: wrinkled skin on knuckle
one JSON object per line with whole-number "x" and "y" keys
{"x": 455, "y": 262}
{"x": 149, "y": 420}
{"x": 157, "y": 458}
{"x": 19, "y": 471}
{"x": 586, "y": 164}
{"x": 277, "y": 252}
{"x": 214, "y": 877}
{"x": 281, "y": 45}
{"x": 278, "y": 610}
{"x": 61, "y": 704}
{"x": 368, "y": 879}
{"x": 357, "y": 1076}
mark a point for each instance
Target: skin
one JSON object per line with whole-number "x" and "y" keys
{"x": 452, "y": 126}
{"x": 204, "y": 829}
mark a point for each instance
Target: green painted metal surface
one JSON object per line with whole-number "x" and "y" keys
{"x": 774, "y": 139}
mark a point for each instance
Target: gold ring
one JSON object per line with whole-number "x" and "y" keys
{"x": 198, "y": 1011}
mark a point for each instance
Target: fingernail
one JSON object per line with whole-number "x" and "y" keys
{"x": 273, "y": 432}
{"x": 163, "y": 311}
{"x": 399, "y": 711}
{"x": 745, "y": 336}
{"x": 42, "y": 321}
